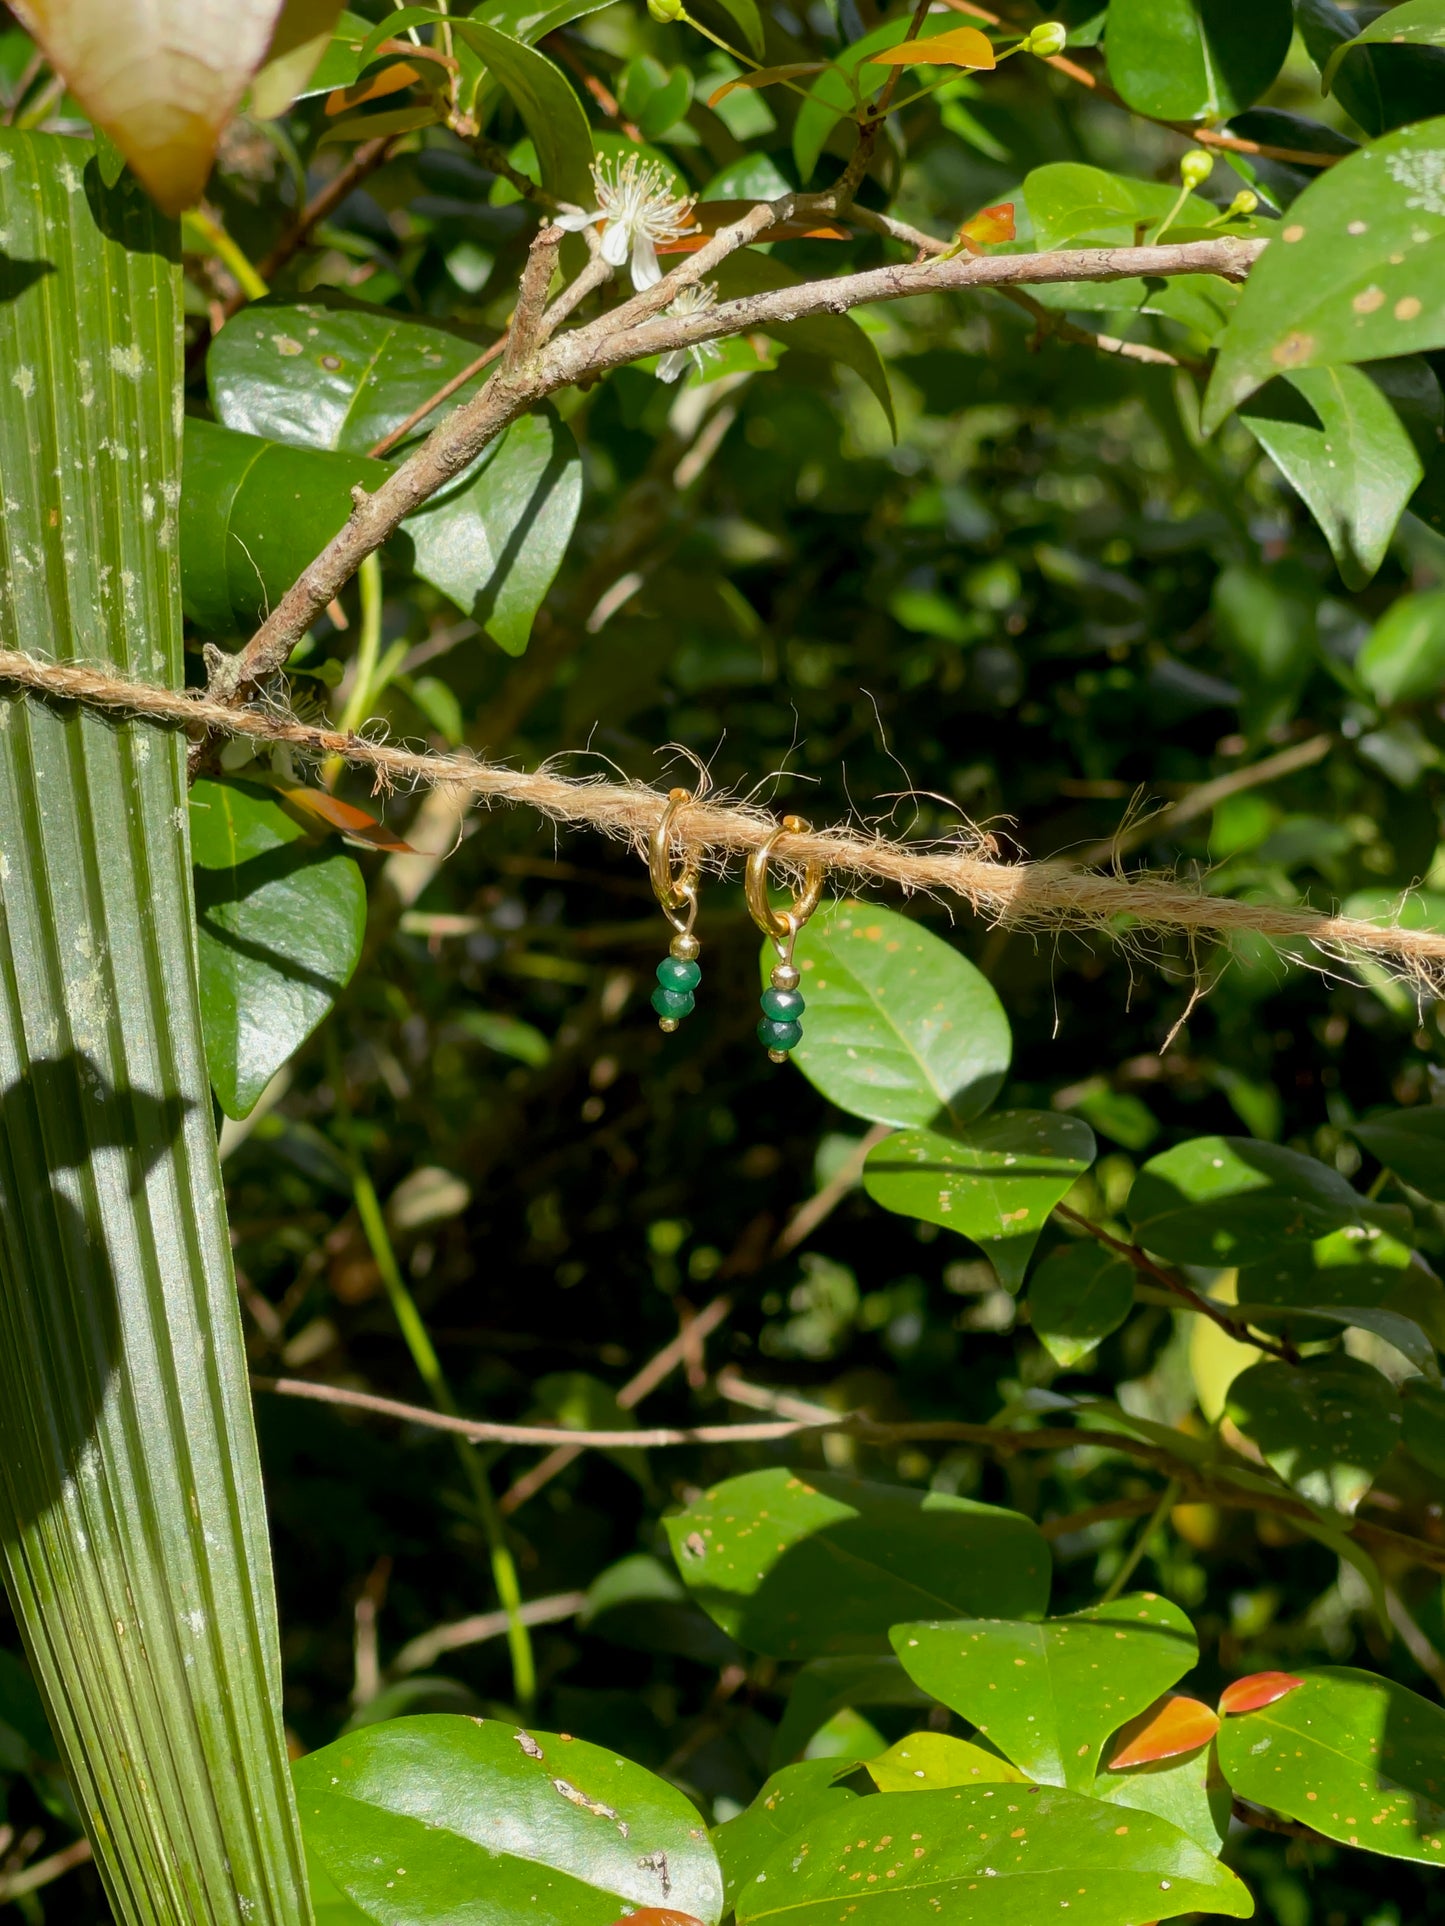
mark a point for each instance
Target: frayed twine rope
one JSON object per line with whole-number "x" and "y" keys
{"x": 1050, "y": 895}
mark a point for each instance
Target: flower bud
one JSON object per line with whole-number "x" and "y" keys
{"x": 667, "y": 12}
{"x": 1244, "y": 202}
{"x": 1046, "y": 40}
{"x": 1195, "y": 168}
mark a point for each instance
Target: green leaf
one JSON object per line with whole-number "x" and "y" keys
{"x": 1049, "y": 1695}
{"x": 1356, "y": 274}
{"x": 900, "y": 1028}
{"x": 830, "y": 97}
{"x": 132, "y": 1520}
{"x": 1078, "y": 1295}
{"x": 1326, "y": 1426}
{"x": 550, "y": 110}
{"x": 826, "y": 1685}
{"x": 836, "y": 337}
{"x": 302, "y": 35}
{"x": 1234, "y": 1200}
{"x": 1071, "y": 204}
{"x": 1423, "y": 1431}
{"x": 334, "y": 374}
{"x": 1189, "y": 1792}
{"x": 494, "y": 541}
{"x": 281, "y": 921}
{"x": 340, "y": 64}
{"x": 995, "y": 1181}
{"x": 965, "y": 1857}
{"x": 798, "y": 1796}
{"x": 533, "y": 20}
{"x": 1378, "y": 85}
{"x": 253, "y": 514}
{"x": 1351, "y": 1755}
{"x": 1342, "y": 447}
{"x": 1403, "y": 659}
{"x": 1395, "y": 1327}
{"x": 797, "y": 1565}
{"x": 929, "y": 1761}
{"x": 441, "y": 1818}
{"x": 1419, "y": 23}
{"x": 331, "y": 372}
{"x": 1195, "y": 59}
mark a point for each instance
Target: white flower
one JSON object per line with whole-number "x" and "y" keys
{"x": 694, "y": 300}
{"x": 636, "y": 203}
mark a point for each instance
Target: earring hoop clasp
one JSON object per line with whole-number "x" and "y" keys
{"x": 676, "y": 892}
{"x": 781, "y": 926}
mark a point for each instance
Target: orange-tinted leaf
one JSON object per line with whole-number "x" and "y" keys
{"x": 960, "y": 47}
{"x": 390, "y": 80}
{"x": 320, "y": 807}
{"x": 1176, "y": 1724}
{"x": 989, "y": 226}
{"x": 657, "y": 1916}
{"x": 1258, "y": 1690}
{"x": 764, "y": 77}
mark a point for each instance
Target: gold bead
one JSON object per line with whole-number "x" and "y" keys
{"x": 777, "y": 1056}
{"x": 685, "y": 947}
{"x": 667, "y": 1025}
{"x": 785, "y": 977}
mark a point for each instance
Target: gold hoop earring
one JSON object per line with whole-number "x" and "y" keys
{"x": 781, "y": 1028}
{"x": 677, "y": 974}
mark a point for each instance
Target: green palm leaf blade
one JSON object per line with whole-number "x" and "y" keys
{"x": 132, "y": 1526}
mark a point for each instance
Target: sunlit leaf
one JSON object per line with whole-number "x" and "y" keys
{"x": 1179, "y": 1725}
{"x": 1192, "y": 60}
{"x": 299, "y": 41}
{"x": 332, "y": 812}
{"x": 161, "y": 77}
{"x": 1326, "y": 1426}
{"x": 1419, "y": 23}
{"x": 956, "y": 47}
{"x": 925, "y": 1761}
{"x": 790, "y": 1799}
{"x": 394, "y": 79}
{"x": 1257, "y": 1691}
{"x": 765, "y": 77}
{"x": 990, "y": 227}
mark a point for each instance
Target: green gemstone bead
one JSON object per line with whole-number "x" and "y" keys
{"x": 675, "y": 974}
{"x": 783, "y": 1006}
{"x": 779, "y": 1036}
{"x": 673, "y": 1003}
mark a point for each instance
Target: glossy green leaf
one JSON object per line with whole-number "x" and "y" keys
{"x": 1403, "y": 659}
{"x": 253, "y": 514}
{"x": 1195, "y": 59}
{"x": 836, "y": 337}
{"x": 280, "y": 920}
{"x": 1072, "y": 205}
{"x": 340, "y": 63}
{"x": 747, "y": 18}
{"x": 978, "y": 1857}
{"x": 1049, "y": 1695}
{"x": 797, "y": 1796}
{"x": 830, "y": 98}
{"x": 1188, "y": 1791}
{"x": 996, "y": 1181}
{"x": 1423, "y": 1430}
{"x": 1351, "y": 1755}
{"x": 1326, "y": 1426}
{"x": 334, "y": 374}
{"x": 1412, "y": 1144}
{"x": 1380, "y": 86}
{"x": 550, "y": 110}
{"x": 1338, "y": 1273}
{"x": 1397, "y": 1328}
{"x": 300, "y": 40}
{"x": 1234, "y": 1200}
{"x": 1337, "y": 441}
{"x": 900, "y": 1028}
{"x": 929, "y": 1761}
{"x": 132, "y": 1521}
{"x": 797, "y": 1565}
{"x": 1356, "y": 275}
{"x": 1419, "y": 23}
{"x": 478, "y": 1822}
{"x": 826, "y": 1685}
{"x": 1077, "y": 1296}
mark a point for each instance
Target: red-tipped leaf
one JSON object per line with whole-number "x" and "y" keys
{"x": 1174, "y": 1725}
{"x": 1257, "y": 1691}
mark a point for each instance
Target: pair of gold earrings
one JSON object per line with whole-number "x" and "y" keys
{"x": 678, "y": 974}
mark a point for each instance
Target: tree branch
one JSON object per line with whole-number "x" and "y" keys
{"x": 637, "y": 329}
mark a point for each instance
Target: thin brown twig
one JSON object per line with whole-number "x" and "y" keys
{"x": 44, "y": 1871}
{"x": 434, "y": 401}
{"x": 1235, "y": 1327}
{"x": 1200, "y": 800}
{"x": 418, "y": 1653}
{"x": 365, "y": 161}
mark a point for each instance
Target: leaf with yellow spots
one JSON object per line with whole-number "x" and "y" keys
{"x": 899, "y": 1028}
{"x": 994, "y": 1182}
{"x": 989, "y": 1856}
{"x": 926, "y": 1761}
{"x": 1357, "y": 274}
{"x": 789, "y": 1800}
{"x": 1350, "y": 1754}
{"x": 1049, "y": 1695}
